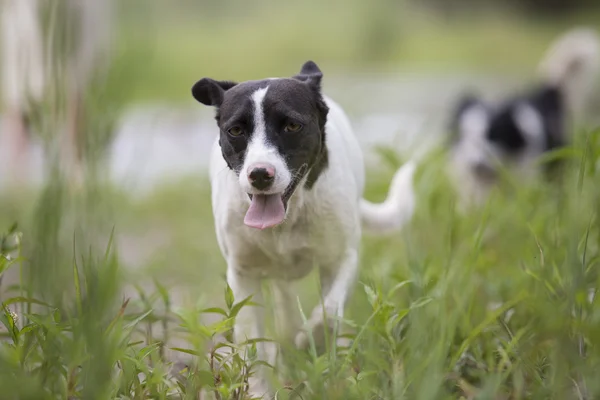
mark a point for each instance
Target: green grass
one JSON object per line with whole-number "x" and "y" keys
{"x": 488, "y": 305}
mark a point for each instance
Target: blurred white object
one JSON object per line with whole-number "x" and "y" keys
{"x": 29, "y": 60}
{"x": 23, "y": 66}
{"x": 572, "y": 63}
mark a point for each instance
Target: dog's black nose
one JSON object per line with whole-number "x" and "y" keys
{"x": 262, "y": 177}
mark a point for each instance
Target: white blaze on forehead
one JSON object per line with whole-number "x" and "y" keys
{"x": 474, "y": 148}
{"x": 259, "y": 150}
{"x": 260, "y": 130}
{"x": 474, "y": 123}
{"x": 529, "y": 122}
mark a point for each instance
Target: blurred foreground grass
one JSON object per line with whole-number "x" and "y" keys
{"x": 496, "y": 304}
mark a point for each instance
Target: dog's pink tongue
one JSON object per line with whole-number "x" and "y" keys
{"x": 265, "y": 211}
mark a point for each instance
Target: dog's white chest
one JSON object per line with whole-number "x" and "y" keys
{"x": 289, "y": 251}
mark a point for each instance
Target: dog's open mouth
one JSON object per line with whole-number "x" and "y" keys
{"x": 485, "y": 173}
{"x": 269, "y": 210}
{"x": 266, "y": 211}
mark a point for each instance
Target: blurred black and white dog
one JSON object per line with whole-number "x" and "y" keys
{"x": 513, "y": 134}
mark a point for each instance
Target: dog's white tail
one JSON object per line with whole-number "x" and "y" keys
{"x": 572, "y": 64}
{"x": 398, "y": 207}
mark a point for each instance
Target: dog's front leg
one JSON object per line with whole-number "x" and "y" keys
{"x": 337, "y": 285}
{"x": 249, "y": 324}
{"x": 287, "y": 315}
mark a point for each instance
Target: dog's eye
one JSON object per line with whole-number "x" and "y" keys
{"x": 236, "y": 131}
{"x": 292, "y": 127}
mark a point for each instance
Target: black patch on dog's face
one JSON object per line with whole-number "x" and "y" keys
{"x": 295, "y": 100}
{"x": 504, "y": 132}
{"x": 467, "y": 102}
{"x": 550, "y": 103}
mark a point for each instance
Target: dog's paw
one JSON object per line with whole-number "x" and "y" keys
{"x": 258, "y": 388}
{"x": 302, "y": 340}
{"x": 320, "y": 327}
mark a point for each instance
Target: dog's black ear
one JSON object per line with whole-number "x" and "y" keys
{"x": 210, "y": 92}
{"x": 464, "y": 103}
{"x": 310, "y": 73}
{"x": 463, "y": 109}
{"x": 467, "y": 101}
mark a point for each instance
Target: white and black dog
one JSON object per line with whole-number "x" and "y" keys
{"x": 516, "y": 132}
{"x": 287, "y": 180}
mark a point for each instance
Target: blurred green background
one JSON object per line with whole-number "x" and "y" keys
{"x": 173, "y": 44}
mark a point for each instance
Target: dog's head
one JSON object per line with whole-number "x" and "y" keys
{"x": 272, "y": 135}
{"x": 488, "y": 138}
